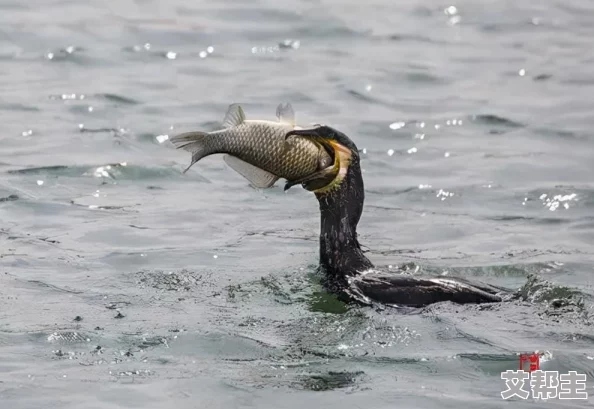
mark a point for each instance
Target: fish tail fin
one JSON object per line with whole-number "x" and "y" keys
{"x": 194, "y": 142}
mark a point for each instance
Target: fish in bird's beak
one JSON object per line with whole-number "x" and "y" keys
{"x": 258, "y": 149}
{"x": 341, "y": 149}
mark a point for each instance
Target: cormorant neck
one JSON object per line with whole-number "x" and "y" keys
{"x": 340, "y": 209}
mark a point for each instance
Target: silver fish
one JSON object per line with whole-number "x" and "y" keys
{"x": 258, "y": 149}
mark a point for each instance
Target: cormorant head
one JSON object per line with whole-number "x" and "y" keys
{"x": 341, "y": 148}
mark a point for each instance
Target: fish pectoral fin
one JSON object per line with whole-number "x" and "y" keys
{"x": 234, "y": 116}
{"x": 286, "y": 114}
{"x": 259, "y": 178}
{"x": 314, "y": 181}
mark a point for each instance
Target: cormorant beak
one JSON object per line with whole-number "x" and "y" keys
{"x": 321, "y": 136}
{"x": 312, "y": 134}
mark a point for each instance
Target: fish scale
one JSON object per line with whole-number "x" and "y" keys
{"x": 294, "y": 158}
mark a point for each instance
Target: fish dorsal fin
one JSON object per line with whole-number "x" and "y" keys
{"x": 234, "y": 116}
{"x": 285, "y": 113}
{"x": 259, "y": 178}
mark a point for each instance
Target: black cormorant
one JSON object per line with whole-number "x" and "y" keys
{"x": 347, "y": 272}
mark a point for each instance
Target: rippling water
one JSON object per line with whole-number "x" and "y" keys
{"x": 124, "y": 283}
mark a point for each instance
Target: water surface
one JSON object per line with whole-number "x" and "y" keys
{"x": 125, "y": 283}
